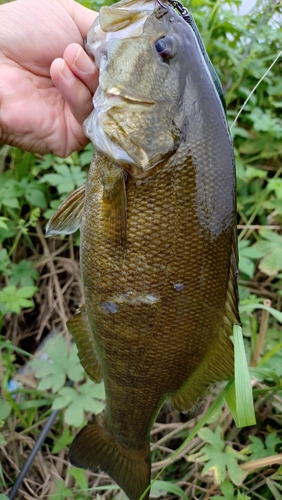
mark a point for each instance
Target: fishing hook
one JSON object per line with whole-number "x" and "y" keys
{"x": 162, "y": 5}
{"x": 183, "y": 11}
{"x": 177, "y": 5}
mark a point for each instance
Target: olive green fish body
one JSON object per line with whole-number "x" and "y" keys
{"x": 158, "y": 237}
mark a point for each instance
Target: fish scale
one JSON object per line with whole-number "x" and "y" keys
{"x": 170, "y": 326}
{"x": 158, "y": 235}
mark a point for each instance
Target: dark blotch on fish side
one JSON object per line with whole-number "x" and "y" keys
{"x": 178, "y": 287}
{"x": 109, "y": 307}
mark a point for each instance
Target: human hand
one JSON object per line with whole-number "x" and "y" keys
{"x": 43, "y": 111}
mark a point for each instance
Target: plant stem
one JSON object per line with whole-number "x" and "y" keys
{"x": 262, "y": 332}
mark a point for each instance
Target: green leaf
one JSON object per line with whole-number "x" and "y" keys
{"x": 36, "y": 198}
{"x": 5, "y": 409}
{"x": 87, "y": 155}
{"x": 62, "y": 492}
{"x": 227, "y": 489}
{"x": 160, "y": 488}
{"x": 251, "y": 307}
{"x": 3, "y": 221}
{"x": 247, "y": 257}
{"x": 23, "y": 274}
{"x": 218, "y": 460}
{"x": 66, "y": 179}
{"x": 80, "y": 477}
{"x": 64, "y": 440}
{"x": 62, "y": 364}
{"x": 244, "y": 415}
{"x": 10, "y": 191}
{"x": 4, "y": 261}
{"x": 75, "y": 369}
{"x": 273, "y": 486}
{"x": 15, "y": 298}
{"x": 270, "y": 247}
{"x": 276, "y": 186}
{"x": 78, "y": 401}
{"x": 258, "y": 449}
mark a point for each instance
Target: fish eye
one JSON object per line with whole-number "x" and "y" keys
{"x": 165, "y": 46}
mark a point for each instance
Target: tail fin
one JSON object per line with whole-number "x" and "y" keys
{"x": 94, "y": 447}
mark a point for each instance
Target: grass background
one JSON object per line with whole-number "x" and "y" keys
{"x": 40, "y": 289}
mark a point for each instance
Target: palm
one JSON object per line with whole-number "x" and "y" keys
{"x": 34, "y": 113}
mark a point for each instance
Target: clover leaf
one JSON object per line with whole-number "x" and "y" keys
{"x": 23, "y": 273}
{"x": 219, "y": 459}
{"x": 66, "y": 179}
{"x": 13, "y": 299}
{"x": 63, "y": 363}
{"x": 86, "y": 398}
{"x": 259, "y": 449}
{"x": 270, "y": 249}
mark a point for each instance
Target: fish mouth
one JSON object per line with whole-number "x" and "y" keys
{"x": 123, "y": 95}
{"x": 124, "y": 149}
{"x": 110, "y": 137}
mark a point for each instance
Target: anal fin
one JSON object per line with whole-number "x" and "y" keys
{"x": 80, "y": 330}
{"x": 217, "y": 365}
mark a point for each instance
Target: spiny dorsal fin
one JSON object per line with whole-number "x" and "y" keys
{"x": 67, "y": 218}
{"x": 80, "y": 330}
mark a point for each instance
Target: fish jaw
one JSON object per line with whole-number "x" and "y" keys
{"x": 134, "y": 121}
{"x": 136, "y": 154}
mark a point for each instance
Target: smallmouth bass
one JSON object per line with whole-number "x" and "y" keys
{"x": 158, "y": 235}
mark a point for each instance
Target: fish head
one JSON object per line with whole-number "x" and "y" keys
{"x": 137, "y": 119}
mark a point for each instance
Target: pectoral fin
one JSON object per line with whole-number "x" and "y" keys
{"x": 67, "y": 218}
{"x": 80, "y": 330}
{"x": 114, "y": 206}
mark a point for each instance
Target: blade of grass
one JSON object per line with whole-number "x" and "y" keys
{"x": 250, "y": 307}
{"x": 245, "y": 414}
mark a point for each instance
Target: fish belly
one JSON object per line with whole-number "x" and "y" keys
{"x": 156, "y": 304}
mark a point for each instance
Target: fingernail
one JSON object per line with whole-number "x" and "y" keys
{"x": 83, "y": 63}
{"x": 66, "y": 72}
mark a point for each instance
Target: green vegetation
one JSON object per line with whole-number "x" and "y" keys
{"x": 40, "y": 289}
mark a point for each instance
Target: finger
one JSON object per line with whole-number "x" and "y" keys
{"x": 81, "y": 65}
{"x": 83, "y": 17}
{"x": 76, "y": 94}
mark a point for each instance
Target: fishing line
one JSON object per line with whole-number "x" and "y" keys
{"x": 33, "y": 454}
{"x": 255, "y": 88}
{"x": 35, "y": 450}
